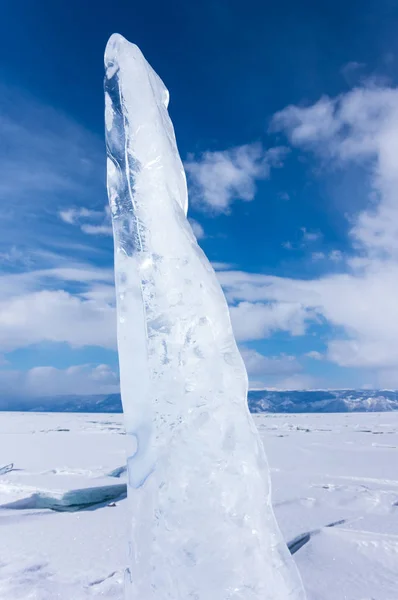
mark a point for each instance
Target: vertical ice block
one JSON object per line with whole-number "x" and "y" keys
{"x": 202, "y": 525}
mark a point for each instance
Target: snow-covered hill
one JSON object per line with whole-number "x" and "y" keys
{"x": 272, "y": 401}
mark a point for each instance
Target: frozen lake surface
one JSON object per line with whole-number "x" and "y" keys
{"x": 63, "y": 515}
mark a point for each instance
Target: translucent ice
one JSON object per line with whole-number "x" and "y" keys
{"x": 198, "y": 485}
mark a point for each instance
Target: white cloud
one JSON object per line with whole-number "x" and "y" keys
{"x": 360, "y": 127}
{"x": 68, "y": 271}
{"x": 310, "y": 236}
{"x": 276, "y": 372}
{"x": 336, "y": 255}
{"x": 221, "y": 266}
{"x": 357, "y": 128}
{"x": 386, "y": 378}
{"x": 56, "y": 316}
{"x": 288, "y": 245}
{"x": 197, "y": 229}
{"x": 318, "y": 256}
{"x": 259, "y": 365}
{"x": 14, "y": 256}
{"x": 361, "y": 305}
{"x": 352, "y": 71}
{"x": 91, "y": 222}
{"x": 315, "y": 355}
{"x": 68, "y": 216}
{"x": 72, "y": 216}
{"x": 49, "y": 381}
{"x": 218, "y": 178}
{"x": 308, "y": 125}
{"x": 34, "y": 307}
{"x": 103, "y": 229}
{"x": 254, "y": 321}
{"x": 252, "y": 287}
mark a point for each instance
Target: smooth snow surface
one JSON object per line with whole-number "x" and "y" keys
{"x": 202, "y": 522}
{"x": 325, "y": 469}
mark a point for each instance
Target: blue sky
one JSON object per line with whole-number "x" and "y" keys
{"x": 286, "y": 116}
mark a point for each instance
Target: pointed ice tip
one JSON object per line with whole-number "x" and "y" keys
{"x": 117, "y": 44}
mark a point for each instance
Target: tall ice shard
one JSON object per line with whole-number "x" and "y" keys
{"x": 198, "y": 484}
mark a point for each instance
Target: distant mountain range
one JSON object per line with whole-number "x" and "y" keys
{"x": 323, "y": 401}
{"x": 312, "y": 401}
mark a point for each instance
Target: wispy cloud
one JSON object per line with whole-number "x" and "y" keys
{"x": 353, "y": 72}
{"x": 197, "y": 229}
{"x": 49, "y": 381}
{"x": 357, "y": 128}
{"x": 310, "y": 236}
{"x": 218, "y": 178}
{"x": 315, "y": 355}
{"x": 47, "y": 160}
{"x": 221, "y": 266}
{"x": 73, "y": 216}
{"x": 92, "y": 222}
{"x": 103, "y": 229}
{"x": 306, "y": 239}
{"x": 318, "y": 256}
{"x": 335, "y": 256}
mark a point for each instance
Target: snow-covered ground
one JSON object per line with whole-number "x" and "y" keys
{"x": 327, "y": 469}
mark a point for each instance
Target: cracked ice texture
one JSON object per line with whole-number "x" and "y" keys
{"x": 198, "y": 483}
